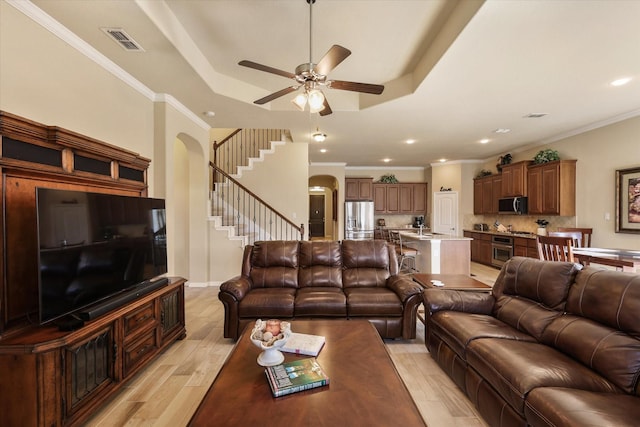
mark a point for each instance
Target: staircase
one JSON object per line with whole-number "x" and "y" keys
{"x": 234, "y": 208}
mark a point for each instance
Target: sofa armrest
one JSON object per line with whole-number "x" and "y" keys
{"x": 404, "y": 287}
{"x": 237, "y": 287}
{"x": 466, "y": 301}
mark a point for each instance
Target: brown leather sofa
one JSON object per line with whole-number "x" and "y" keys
{"x": 322, "y": 279}
{"x": 550, "y": 346}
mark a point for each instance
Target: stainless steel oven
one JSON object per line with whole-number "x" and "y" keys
{"x": 501, "y": 250}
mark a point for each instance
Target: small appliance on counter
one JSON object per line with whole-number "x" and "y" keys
{"x": 481, "y": 227}
{"x": 381, "y": 222}
{"x": 418, "y": 221}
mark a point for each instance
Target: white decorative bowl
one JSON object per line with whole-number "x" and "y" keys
{"x": 263, "y": 337}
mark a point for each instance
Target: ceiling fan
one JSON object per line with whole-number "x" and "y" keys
{"x": 312, "y": 77}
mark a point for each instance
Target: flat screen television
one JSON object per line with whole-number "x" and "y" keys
{"x": 96, "y": 249}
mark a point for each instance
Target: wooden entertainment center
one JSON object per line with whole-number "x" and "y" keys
{"x": 50, "y": 377}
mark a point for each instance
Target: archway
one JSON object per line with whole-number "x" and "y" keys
{"x": 326, "y": 187}
{"x": 187, "y": 193}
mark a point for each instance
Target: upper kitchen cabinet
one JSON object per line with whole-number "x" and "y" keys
{"x": 358, "y": 189}
{"x": 400, "y": 198}
{"x": 552, "y": 188}
{"x": 486, "y": 192}
{"x": 514, "y": 179}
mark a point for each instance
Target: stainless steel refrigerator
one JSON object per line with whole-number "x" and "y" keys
{"x": 358, "y": 224}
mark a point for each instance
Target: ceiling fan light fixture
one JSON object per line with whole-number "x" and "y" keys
{"x": 300, "y": 101}
{"x": 319, "y": 136}
{"x": 316, "y": 100}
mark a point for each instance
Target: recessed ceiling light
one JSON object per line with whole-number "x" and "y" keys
{"x": 323, "y": 150}
{"x": 621, "y": 82}
{"x": 209, "y": 113}
{"x": 502, "y": 130}
{"x": 387, "y": 160}
{"x": 442, "y": 160}
{"x": 484, "y": 140}
{"x": 410, "y": 141}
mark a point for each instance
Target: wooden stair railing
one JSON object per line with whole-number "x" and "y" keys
{"x": 251, "y": 216}
{"x": 236, "y": 149}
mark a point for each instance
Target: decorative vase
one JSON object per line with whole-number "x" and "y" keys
{"x": 270, "y": 341}
{"x": 542, "y": 231}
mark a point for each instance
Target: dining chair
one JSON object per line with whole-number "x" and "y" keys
{"x": 552, "y": 248}
{"x": 575, "y": 235}
{"x": 406, "y": 254}
{"x": 586, "y": 234}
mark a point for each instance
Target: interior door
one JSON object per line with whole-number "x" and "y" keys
{"x": 445, "y": 212}
{"x": 316, "y": 215}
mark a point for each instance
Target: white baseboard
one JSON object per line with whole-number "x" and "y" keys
{"x": 203, "y": 284}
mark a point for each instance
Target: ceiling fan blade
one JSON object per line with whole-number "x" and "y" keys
{"x": 331, "y": 59}
{"x": 275, "y": 95}
{"x": 356, "y": 87}
{"x": 266, "y": 68}
{"x": 326, "y": 110}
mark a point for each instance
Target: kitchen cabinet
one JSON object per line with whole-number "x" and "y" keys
{"x": 400, "y": 198}
{"x": 480, "y": 247}
{"x": 420, "y": 197}
{"x": 358, "y": 189}
{"x": 552, "y": 188}
{"x": 514, "y": 179}
{"x": 525, "y": 247}
{"x": 486, "y": 193}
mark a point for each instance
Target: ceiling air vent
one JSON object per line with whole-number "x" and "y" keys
{"x": 123, "y": 39}
{"x": 535, "y": 115}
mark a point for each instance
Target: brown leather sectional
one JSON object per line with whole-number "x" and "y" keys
{"x": 550, "y": 346}
{"x": 322, "y": 279}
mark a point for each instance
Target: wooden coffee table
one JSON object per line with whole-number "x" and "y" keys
{"x": 457, "y": 282}
{"x": 365, "y": 388}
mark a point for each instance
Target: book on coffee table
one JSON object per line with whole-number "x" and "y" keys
{"x": 295, "y": 376}
{"x": 307, "y": 344}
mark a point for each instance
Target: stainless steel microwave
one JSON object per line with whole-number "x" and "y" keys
{"x": 512, "y": 205}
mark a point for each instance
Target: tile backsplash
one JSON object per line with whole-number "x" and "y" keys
{"x": 519, "y": 222}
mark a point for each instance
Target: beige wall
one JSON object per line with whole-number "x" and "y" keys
{"x": 47, "y": 80}
{"x": 287, "y": 170}
{"x": 42, "y": 78}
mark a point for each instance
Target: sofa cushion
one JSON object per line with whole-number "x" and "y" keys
{"x": 612, "y": 353}
{"x": 608, "y": 297}
{"x": 372, "y": 302}
{"x": 365, "y": 263}
{"x": 602, "y": 330}
{"x": 274, "y": 264}
{"x": 458, "y": 329}
{"x": 267, "y": 302}
{"x": 321, "y": 301}
{"x": 514, "y": 368}
{"x": 320, "y": 264}
{"x": 544, "y": 282}
{"x": 563, "y": 407}
{"x": 531, "y": 293}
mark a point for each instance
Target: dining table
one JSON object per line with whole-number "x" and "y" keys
{"x": 622, "y": 259}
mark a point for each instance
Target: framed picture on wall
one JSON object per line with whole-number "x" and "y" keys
{"x": 628, "y": 200}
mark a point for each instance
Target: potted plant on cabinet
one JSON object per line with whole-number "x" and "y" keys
{"x": 542, "y": 227}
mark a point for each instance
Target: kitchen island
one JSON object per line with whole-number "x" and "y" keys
{"x": 440, "y": 253}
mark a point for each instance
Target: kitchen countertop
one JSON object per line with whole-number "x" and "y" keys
{"x": 414, "y": 235}
{"x": 498, "y": 233}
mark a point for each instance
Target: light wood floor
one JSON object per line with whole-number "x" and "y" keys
{"x": 169, "y": 390}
